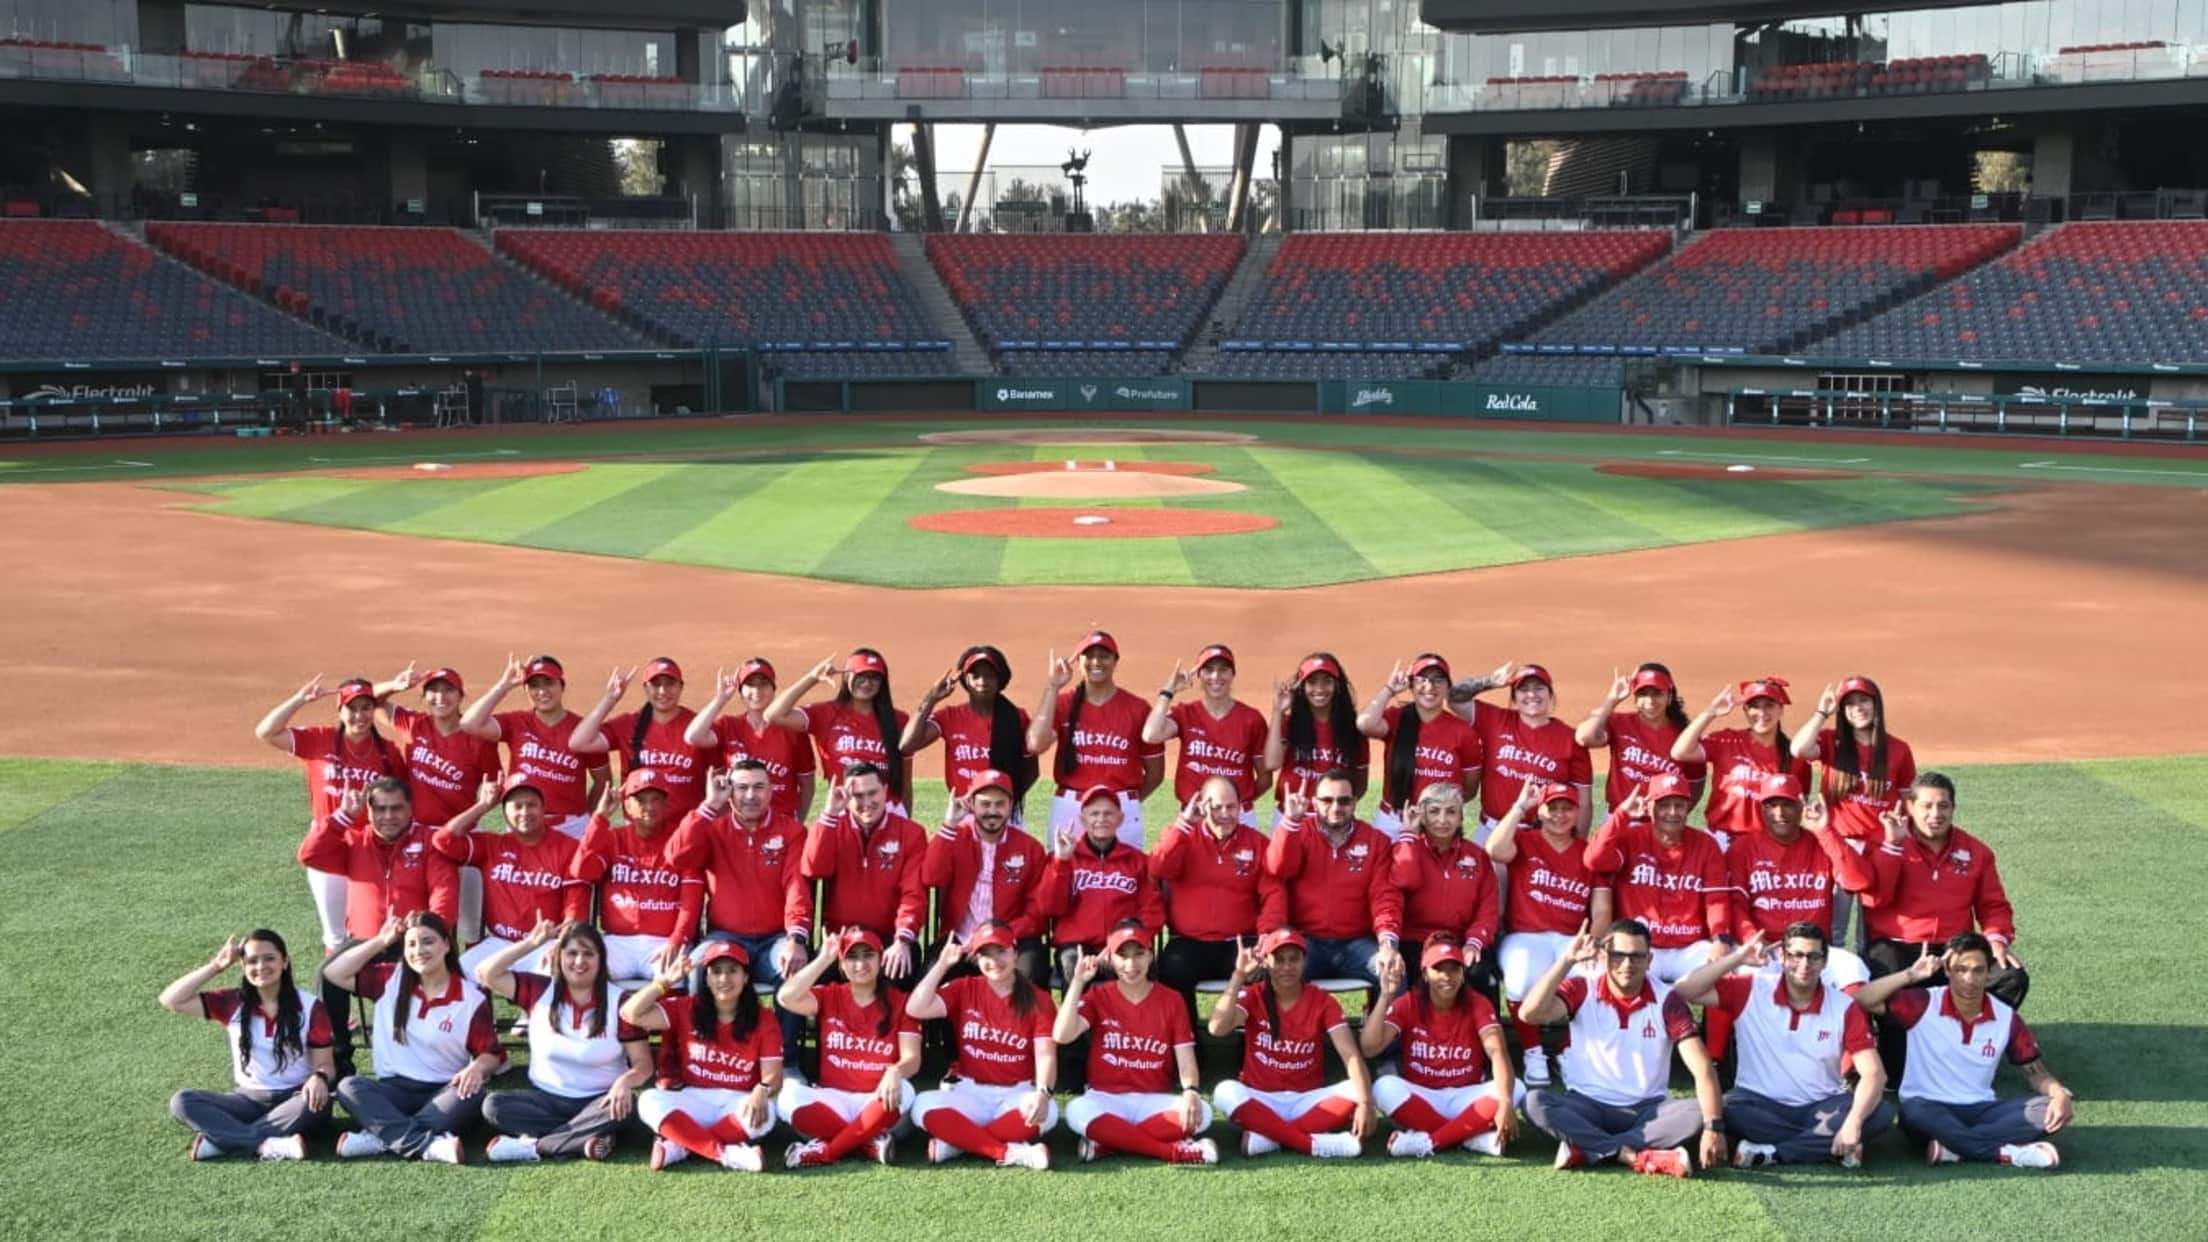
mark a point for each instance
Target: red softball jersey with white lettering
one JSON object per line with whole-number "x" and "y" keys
{"x": 1679, "y": 891}
{"x": 522, "y": 881}
{"x": 1441, "y": 1047}
{"x": 641, "y": 890}
{"x": 1551, "y": 886}
{"x": 966, "y": 743}
{"x": 1775, "y": 885}
{"x": 1131, "y": 1042}
{"x": 445, "y": 769}
{"x": 1855, "y": 813}
{"x": 1302, "y": 771}
{"x": 1738, "y": 764}
{"x": 546, "y": 754}
{"x": 787, "y": 753}
{"x": 1106, "y": 744}
{"x": 723, "y": 1063}
{"x": 679, "y": 764}
{"x": 1447, "y": 748}
{"x": 846, "y": 734}
{"x": 856, "y": 1049}
{"x": 996, "y": 1046}
{"x": 1640, "y": 752}
{"x": 1291, "y": 1058}
{"x": 336, "y": 763}
{"x": 1229, "y": 746}
{"x": 1516, "y": 752}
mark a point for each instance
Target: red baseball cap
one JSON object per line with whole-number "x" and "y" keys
{"x": 865, "y": 662}
{"x": 444, "y": 674}
{"x": 1779, "y": 785}
{"x": 714, "y": 950}
{"x": 1096, "y": 638}
{"x": 515, "y": 781}
{"x": 663, "y": 668}
{"x": 1286, "y": 938}
{"x": 1550, "y": 793}
{"x": 1424, "y": 663}
{"x": 990, "y": 936}
{"x": 358, "y": 688}
{"x": 861, "y": 938}
{"x": 1857, "y": 685}
{"x": 1656, "y": 678}
{"x": 1439, "y": 951}
{"x": 1773, "y": 688}
{"x": 756, "y": 667}
{"x": 544, "y": 666}
{"x": 640, "y": 779}
{"x": 989, "y": 778}
{"x": 1319, "y": 664}
{"x": 1669, "y": 785}
{"x": 1216, "y": 651}
{"x": 1123, "y": 937}
{"x": 966, "y": 665}
{"x": 1093, "y": 792}
{"x": 1532, "y": 672}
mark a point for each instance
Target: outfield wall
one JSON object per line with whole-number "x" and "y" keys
{"x": 1126, "y": 394}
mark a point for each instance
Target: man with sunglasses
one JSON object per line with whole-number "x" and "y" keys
{"x": 1798, "y": 1035}
{"x": 1334, "y": 869}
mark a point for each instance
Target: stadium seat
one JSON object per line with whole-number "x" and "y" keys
{"x": 1534, "y": 369}
{"x": 1059, "y": 291}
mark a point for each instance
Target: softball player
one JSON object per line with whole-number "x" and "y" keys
{"x": 720, "y": 1062}
{"x": 1142, "y": 1045}
{"x": 350, "y": 755}
{"x": 1220, "y": 735}
{"x": 869, "y": 1051}
{"x": 540, "y": 741}
{"x": 1280, "y": 1099}
{"x": 1455, "y": 1086}
{"x": 653, "y": 736}
{"x": 1097, "y": 728}
{"x": 996, "y": 1101}
{"x": 750, "y": 734}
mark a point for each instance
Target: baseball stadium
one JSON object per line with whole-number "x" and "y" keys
{"x": 746, "y": 517}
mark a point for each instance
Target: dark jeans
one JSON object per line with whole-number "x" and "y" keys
{"x": 763, "y": 971}
{"x": 1885, "y": 957}
{"x": 1601, "y": 1130}
{"x": 1976, "y": 1131}
{"x": 560, "y": 1124}
{"x": 1483, "y": 976}
{"x": 1341, "y": 959}
{"x": 1802, "y": 1132}
{"x": 406, "y": 1114}
{"x": 338, "y": 1003}
{"x": 238, "y": 1121}
{"x": 1186, "y": 962}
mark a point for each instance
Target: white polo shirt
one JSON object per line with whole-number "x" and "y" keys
{"x": 564, "y": 1057}
{"x": 257, "y": 1070}
{"x": 1794, "y": 1056}
{"x": 1952, "y": 1061}
{"x": 443, "y": 1032}
{"x": 1620, "y": 1052}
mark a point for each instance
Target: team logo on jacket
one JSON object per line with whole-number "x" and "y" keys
{"x": 1961, "y": 857}
{"x": 1244, "y": 860}
{"x": 1356, "y": 854}
{"x": 772, "y": 848}
{"x": 1467, "y": 867}
{"x": 1015, "y": 866}
{"x": 889, "y": 849}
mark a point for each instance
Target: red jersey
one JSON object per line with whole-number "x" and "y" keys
{"x": 383, "y": 879}
{"x": 1452, "y": 890}
{"x": 1516, "y": 752}
{"x": 547, "y": 754}
{"x": 754, "y": 884}
{"x": 336, "y": 763}
{"x": 1681, "y": 893}
{"x": 873, "y": 878}
{"x": 1855, "y": 813}
{"x": 681, "y": 765}
{"x": 1447, "y": 749}
{"x": 1551, "y": 887}
{"x": 521, "y": 882}
{"x": 1131, "y": 1043}
{"x": 966, "y": 743}
{"x": 786, "y": 752}
{"x": 996, "y": 1046}
{"x": 1087, "y": 896}
{"x": 1302, "y": 771}
{"x": 1640, "y": 752}
{"x": 1335, "y": 892}
{"x": 1774, "y": 885}
{"x": 1441, "y": 1048}
{"x": 856, "y": 1046}
{"x": 848, "y": 735}
{"x": 724, "y": 1063}
{"x": 1920, "y": 896}
{"x": 1214, "y": 889}
{"x": 1107, "y": 747}
{"x": 1737, "y": 765}
{"x": 641, "y": 892}
{"x": 445, "y": 769}
{"x": 961, "y": 870}
{"x": 1291, "y": 1058}
{"x": 1212, "y": 746}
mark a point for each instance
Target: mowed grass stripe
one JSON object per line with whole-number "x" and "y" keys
{"x": 506, "y": 513}
{"x": 1302, "y": 551}
{"x": 788, "y": 521}
{"x": 1523, "y": 503}
{"x": 634, "y": 519}
{"x": 1077, "y": 561}
{"x": 2173, "y": 789}
{"x": 1395, "y": 526}
{"x": 33, "y": 785}
{"x": 280, "y": 498}
{"x": 881, "y": 547}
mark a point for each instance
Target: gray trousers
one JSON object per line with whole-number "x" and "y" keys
{"x": 237, "y": 1121}
{"x": 406, "y": 1114}
{"x": 560, "y": 1124}
{"x": 1802, "y": 1132}
{"x": 1976, "y": 1131}
{"x": 1600, "y": 1130}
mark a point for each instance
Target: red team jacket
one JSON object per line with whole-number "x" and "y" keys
{"x": 1919, "y": 897}
{"x": 1216, "y": 890}
{"x": 1090, "y": 893}
{"x": 383, "y": 880}
{"x": 1453, "y": 890}
{"x": 753, "y": 879}
{"x": 1335, "y": 894}
{"x": 953, "y": 865}
{"x": 873, "y": 878}
{"x": 1680, "y": 893}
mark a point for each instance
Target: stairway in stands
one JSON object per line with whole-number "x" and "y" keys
{"x": 1204, "y": 353}
{"x": 942, "y": 310}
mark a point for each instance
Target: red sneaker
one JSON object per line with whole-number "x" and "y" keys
{"x": 1670, "y": 1162}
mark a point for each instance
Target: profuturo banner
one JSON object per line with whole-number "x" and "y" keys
{"x": 1168, "y": 392}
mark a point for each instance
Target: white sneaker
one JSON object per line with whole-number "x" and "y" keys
{"x": 666, "y": 1154}
{"x": 1025, "y": 1156}
{"x": 1853, "y": 1160}
{"x": 203, "y": 1149}
{"x": 507, "y": 1149}
{"x": 1415, "y": 1144}
{"x": 940, "y": 1152}
{"x": 1339, "y": 1146}
{"x": 1537, "y": 1068}
{"x": 742, "y": 1157}
{"x": 289, "y": 1147}
{"x": 1485, "y": 1143}
{"x": 1087, "y": 1152}
{"x": 1255, "y": 1144}
{"x": 444, "y": 1149}
{"x": 1754, "y": 1155}
{"x": 810, "y": 1151}
{"x": 2031, "y": 1156}
{"x": 1936, "y": 1152}
{"x": 1196, "y": 1151}
{"x": 354, "y": 1144}
{"x": 883, "y": 1148}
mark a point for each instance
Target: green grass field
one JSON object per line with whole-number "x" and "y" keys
{"x": 116, "y": 878}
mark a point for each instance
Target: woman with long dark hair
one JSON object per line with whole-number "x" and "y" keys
{"x": 1315, "y": 731}
{"x": 348, "y": 755}
{"x": 996, "y": 1103}
{"x": 432, "y": 1039}
{"x": 1097, "y": 728}
{"x": 720, "y": 1062}
{"x": 1426, "y": 743}
{"x": 1867, "y": 773}
{"x": 584, "y": 1064}
{"x": 654, "y": 736}
{"x": 860, "y": 725}
{"x": 869, "y": 1051}
{"x": 1739, "y": 759}
{"x": 1281, "y": 1098}
{"x": 1454, "y": 1086}
{"x": 1553, "y": 895}
{"x": 985, "y": 733}
{"x": 1640, "y": 739}
{"x": 780, "y": 746}
{"x": 279, "y": 1054}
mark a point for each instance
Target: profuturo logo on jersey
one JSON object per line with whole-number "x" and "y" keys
{"x": 1372, "y": 396}
{"x": 1513, "y": 403}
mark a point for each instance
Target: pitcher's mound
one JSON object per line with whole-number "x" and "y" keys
{"x": 1091, "y": 523}
{"x": 1078, "y": 436}
{"x": 1089, "y": 480}
{"x": 1077, "y": 465}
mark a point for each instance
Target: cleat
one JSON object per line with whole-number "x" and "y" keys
{"x": 1487, "y": 1143}
{"x": 940, "y": 1152}
{"x": 1414, "y": 1144}
{"x": 742, "y": 1158}
{"x": 1025, "y": 1156}
{"x": 1196, "y": 1151}
{"x": 2031, "y": 1156}
{"x": 1255, "y": 1144}
{"x": 506, "y": 1149}
{"x": 353, "y": 1144}
{"x": 1338, "y": 1146}
{"x": 1669, "y": 1162}
{"x": 666, "y": 1154}
{"x": 809, "y": 1154}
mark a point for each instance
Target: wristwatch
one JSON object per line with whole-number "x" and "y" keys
{"x": 1715, "y": 1125}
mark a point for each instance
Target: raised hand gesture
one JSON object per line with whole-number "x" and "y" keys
{"x": 1755, "y": 952}
{"x": 1284, "y": 697}
{"x": 1062, "y": 843}
{"x": 352, "y": 801}
{"x": 312, "y": 690}
{"x": 515, "y": 673}
{"x": 719, "y": 785}
{"x": 1582, "y": 948}
{"x": 1296, "y": 804}
{"x": 1504, "y": 672}
{"x": 226, "y": 956}
{"x": 1193, "y": 810}
{"x": 1176, "y": 682}
{"x": 823, "y": 671}
{"x": 617, "y": 683}
{"x": 1926, "y": 965}
{"x": 1828, "y": 701}
{"x": 1391, "y": 975}
{"x": 1816, "y": 814}
{"x": 1620, "y": 687}
{"x": 725, "y": 685}
{"x": 1723, "y": 704}
{"x": 406, "y": 678}
{"x": 1247, "y": 964}
{"x": 838, "y": 800}
{"x": 945, "y": 687}
{"x": 544, "y": 930}
{"x": 1896, "y": 823}
{"x": 951, "y": 953}
{"x": 1636, "y": 804}
{"x": 1398, "y": 680}
{"x": 609, "y": 799}
{"x": 1085, "y": 967}
{"x": 392, "y": 931}
{"x": 956, "y": 810}
{"x": 1060, "y": 673}
{"x": 673, "y": 973}
{"x": 1529, "y": 796}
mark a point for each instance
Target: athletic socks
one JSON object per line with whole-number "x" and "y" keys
{"x": 952, "y": 1127}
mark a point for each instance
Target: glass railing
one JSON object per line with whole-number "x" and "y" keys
{"x": 1299, "y": 79}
